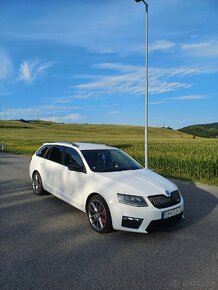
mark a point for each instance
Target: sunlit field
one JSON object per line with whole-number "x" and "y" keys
{"x": 171, "y": 153}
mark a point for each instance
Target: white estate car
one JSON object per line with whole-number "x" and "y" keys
{"x": 113, "y": 189}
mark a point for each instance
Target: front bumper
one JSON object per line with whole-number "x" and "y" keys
{"x": 137, "y": 219}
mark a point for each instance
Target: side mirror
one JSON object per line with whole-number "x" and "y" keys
{"x": 76, "y": 167}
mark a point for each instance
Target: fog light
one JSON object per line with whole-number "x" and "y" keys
{"x": 131, "y": 222}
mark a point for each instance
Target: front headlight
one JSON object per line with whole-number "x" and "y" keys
{"x": 132, "y": 200}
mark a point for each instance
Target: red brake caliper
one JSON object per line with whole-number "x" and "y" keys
{"x": 103, "y": 216}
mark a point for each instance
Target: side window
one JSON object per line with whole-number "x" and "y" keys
{"x": 46, "y": 156}
{"x": 41, "y": 152}
{"x": 71, "y": 156}
{"x": 56, "y": 154}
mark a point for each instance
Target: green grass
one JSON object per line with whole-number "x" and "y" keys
{"x": 171, "y": 153}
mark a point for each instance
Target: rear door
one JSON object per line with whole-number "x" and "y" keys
{"x": 53, "y": 168}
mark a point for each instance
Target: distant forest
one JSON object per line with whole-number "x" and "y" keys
{"x": 202, "y": 130}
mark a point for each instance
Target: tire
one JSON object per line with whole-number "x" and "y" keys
{"x": 99, "y": 215}
{"x": 37, "y": 184}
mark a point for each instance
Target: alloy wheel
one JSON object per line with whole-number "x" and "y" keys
{"x": 97, "y": 215}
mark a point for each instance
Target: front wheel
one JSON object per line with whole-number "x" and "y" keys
{"x": 99, "y": 215}
{"x": 37, "y": 184}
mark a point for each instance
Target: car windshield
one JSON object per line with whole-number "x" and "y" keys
{"x": 109, "y": 160}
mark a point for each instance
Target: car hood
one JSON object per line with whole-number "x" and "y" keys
{"x": 138, "y": 182}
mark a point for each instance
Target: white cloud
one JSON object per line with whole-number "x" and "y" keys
{"x": 122, "y": 49}
{"x": 26, "y": 113}
{"x": 129, "y": 48}
{"x": 5, "y": 66}
{"x": 118, "y": 66}
{"x": 155, "y": 103}
{"x": 161, "y": 45}
{"x": 204, "y": 49}
{"x": 30, "y": 70}
{"x": 159, "y": 86}
{"x": 131, "y": 79}
{"x": 195, "y": 45}
{"x": 70, "y": 118}
{"x": 190, "y": 97}
{"x": 44, "y": 112}
{"x": 72, "y": 98}
{"x": 183, "y": 71}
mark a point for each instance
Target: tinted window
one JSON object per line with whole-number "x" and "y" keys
{"x": 109, "y": 160}
{"x": 46, "y": 156}
{"x": 41, "y": 152}
{"x": 71, "y": 156}
{"x": 56, "y": 154}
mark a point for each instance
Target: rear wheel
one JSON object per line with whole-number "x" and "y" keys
{"x": 37, "y": 184}
{"x": 99, "y": 215}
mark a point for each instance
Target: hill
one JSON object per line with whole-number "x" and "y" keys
{"x": 202, "y": 130}
{"x": 44, "y": 131}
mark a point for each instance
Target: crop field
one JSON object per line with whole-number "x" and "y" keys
{"x": 171, "y": 153}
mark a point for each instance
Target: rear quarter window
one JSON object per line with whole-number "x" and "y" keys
{"x": 42, "y": 151}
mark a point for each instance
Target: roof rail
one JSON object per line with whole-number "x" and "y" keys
{"x": 65, "y": 142}
{"x": 74, "y": 144}
{"x": 87, "y": 142}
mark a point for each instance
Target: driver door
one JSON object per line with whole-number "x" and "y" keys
{"x": 72, "y": 181}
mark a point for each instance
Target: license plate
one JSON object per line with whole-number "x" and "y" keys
{"x": 172, "y": 212}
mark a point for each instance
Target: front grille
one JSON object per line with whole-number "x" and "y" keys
{"x": 162, "y": 201}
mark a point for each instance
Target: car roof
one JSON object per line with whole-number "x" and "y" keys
{"x": 81, "y": 145}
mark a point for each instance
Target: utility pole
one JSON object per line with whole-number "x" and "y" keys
{"x": 146, "y": 81}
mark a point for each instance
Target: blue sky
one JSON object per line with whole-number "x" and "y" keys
{"x": 83, "y": 61}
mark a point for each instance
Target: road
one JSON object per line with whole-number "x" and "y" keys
{"x": 48, "y": 244}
